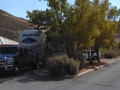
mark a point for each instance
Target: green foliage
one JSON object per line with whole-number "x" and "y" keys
{"x": 106, "y": 27}
{"x": 62, "y": 65}
{"x": 37, "y": 17}
{"x": 81, "y": 26}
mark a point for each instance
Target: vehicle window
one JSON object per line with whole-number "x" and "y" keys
{"x": 8, "y": 50}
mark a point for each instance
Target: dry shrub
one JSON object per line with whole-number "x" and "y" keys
{"x": 110, "y": 53}
{"x": 62, "y": 65}
{"x": 79, "y": 56}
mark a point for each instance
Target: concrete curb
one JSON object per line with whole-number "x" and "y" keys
{"x": 97, "y": 68}
{"x": 87, "y": 72}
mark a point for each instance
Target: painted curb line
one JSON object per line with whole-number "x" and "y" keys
{"x": 88, "y": 71}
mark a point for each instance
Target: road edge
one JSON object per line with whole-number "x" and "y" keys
{"x": 96, "y": 68}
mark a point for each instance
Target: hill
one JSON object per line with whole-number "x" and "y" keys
{"x": 11, "y": 26}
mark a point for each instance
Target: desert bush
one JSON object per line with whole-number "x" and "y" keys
{"x": 110, "y": 53}
{"x": 72, "y": 66}
{"x": 43, "y": 60}
{"x": 62, "y": 65}
{"x": 79, "y": 56}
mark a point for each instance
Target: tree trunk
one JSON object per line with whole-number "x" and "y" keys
{"x": 98, "y": 56}
{"x": 91, "y": 57}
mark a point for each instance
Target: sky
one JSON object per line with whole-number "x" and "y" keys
{"x": 19, "y": 7}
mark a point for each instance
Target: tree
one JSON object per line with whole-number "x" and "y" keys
{"x": 107, "y": 27}
{"x": 86, "y": 16}
{"x": 84, "y": 25}
{"x": 63, "y": 24}
{"x": 56, "y": 18}
{"x": 37, "y": 17}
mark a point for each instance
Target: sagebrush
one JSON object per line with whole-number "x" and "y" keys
{"x": 62, "y": 65}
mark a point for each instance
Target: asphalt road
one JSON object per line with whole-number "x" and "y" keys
{"x": 107, "y": 78}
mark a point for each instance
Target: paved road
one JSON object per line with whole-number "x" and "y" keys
{"x": 107, "y": 78}
{"x": 27, "y": 80}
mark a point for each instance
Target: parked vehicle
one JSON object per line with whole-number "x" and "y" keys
{"x": 36, "y": 42}
{"x": 90, "y": 54}
{"x": 14, "y": 58}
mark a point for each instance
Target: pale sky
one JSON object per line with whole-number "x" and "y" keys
{"x": 19, "y": 7}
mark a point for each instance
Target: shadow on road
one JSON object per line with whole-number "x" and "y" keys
{"x": 32, "y": 77}
{"x": 27, "y": 76}
{"x": 7, "y": 76}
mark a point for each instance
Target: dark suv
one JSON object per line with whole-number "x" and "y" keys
{"x": 15, "y": 58}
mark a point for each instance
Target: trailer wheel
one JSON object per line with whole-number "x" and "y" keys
{"x": 35, "y": 65}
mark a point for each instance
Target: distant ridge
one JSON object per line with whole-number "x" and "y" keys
{"x": 11, "y": 26}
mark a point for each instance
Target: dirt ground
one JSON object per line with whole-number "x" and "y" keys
{"x": 95, "y": 64}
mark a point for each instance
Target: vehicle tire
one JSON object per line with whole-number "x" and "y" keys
{"x": 16, "y": 70}
{"x": 35, "y": 65}
{"x": 94, "y": 58}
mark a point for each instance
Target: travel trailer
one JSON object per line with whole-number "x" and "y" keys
{"x": 35, "y": 41}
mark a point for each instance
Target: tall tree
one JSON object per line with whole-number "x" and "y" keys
{"x": 63, "y": 23}
{"x": 105, "y": 24}
{"x": 85, "y": 28}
